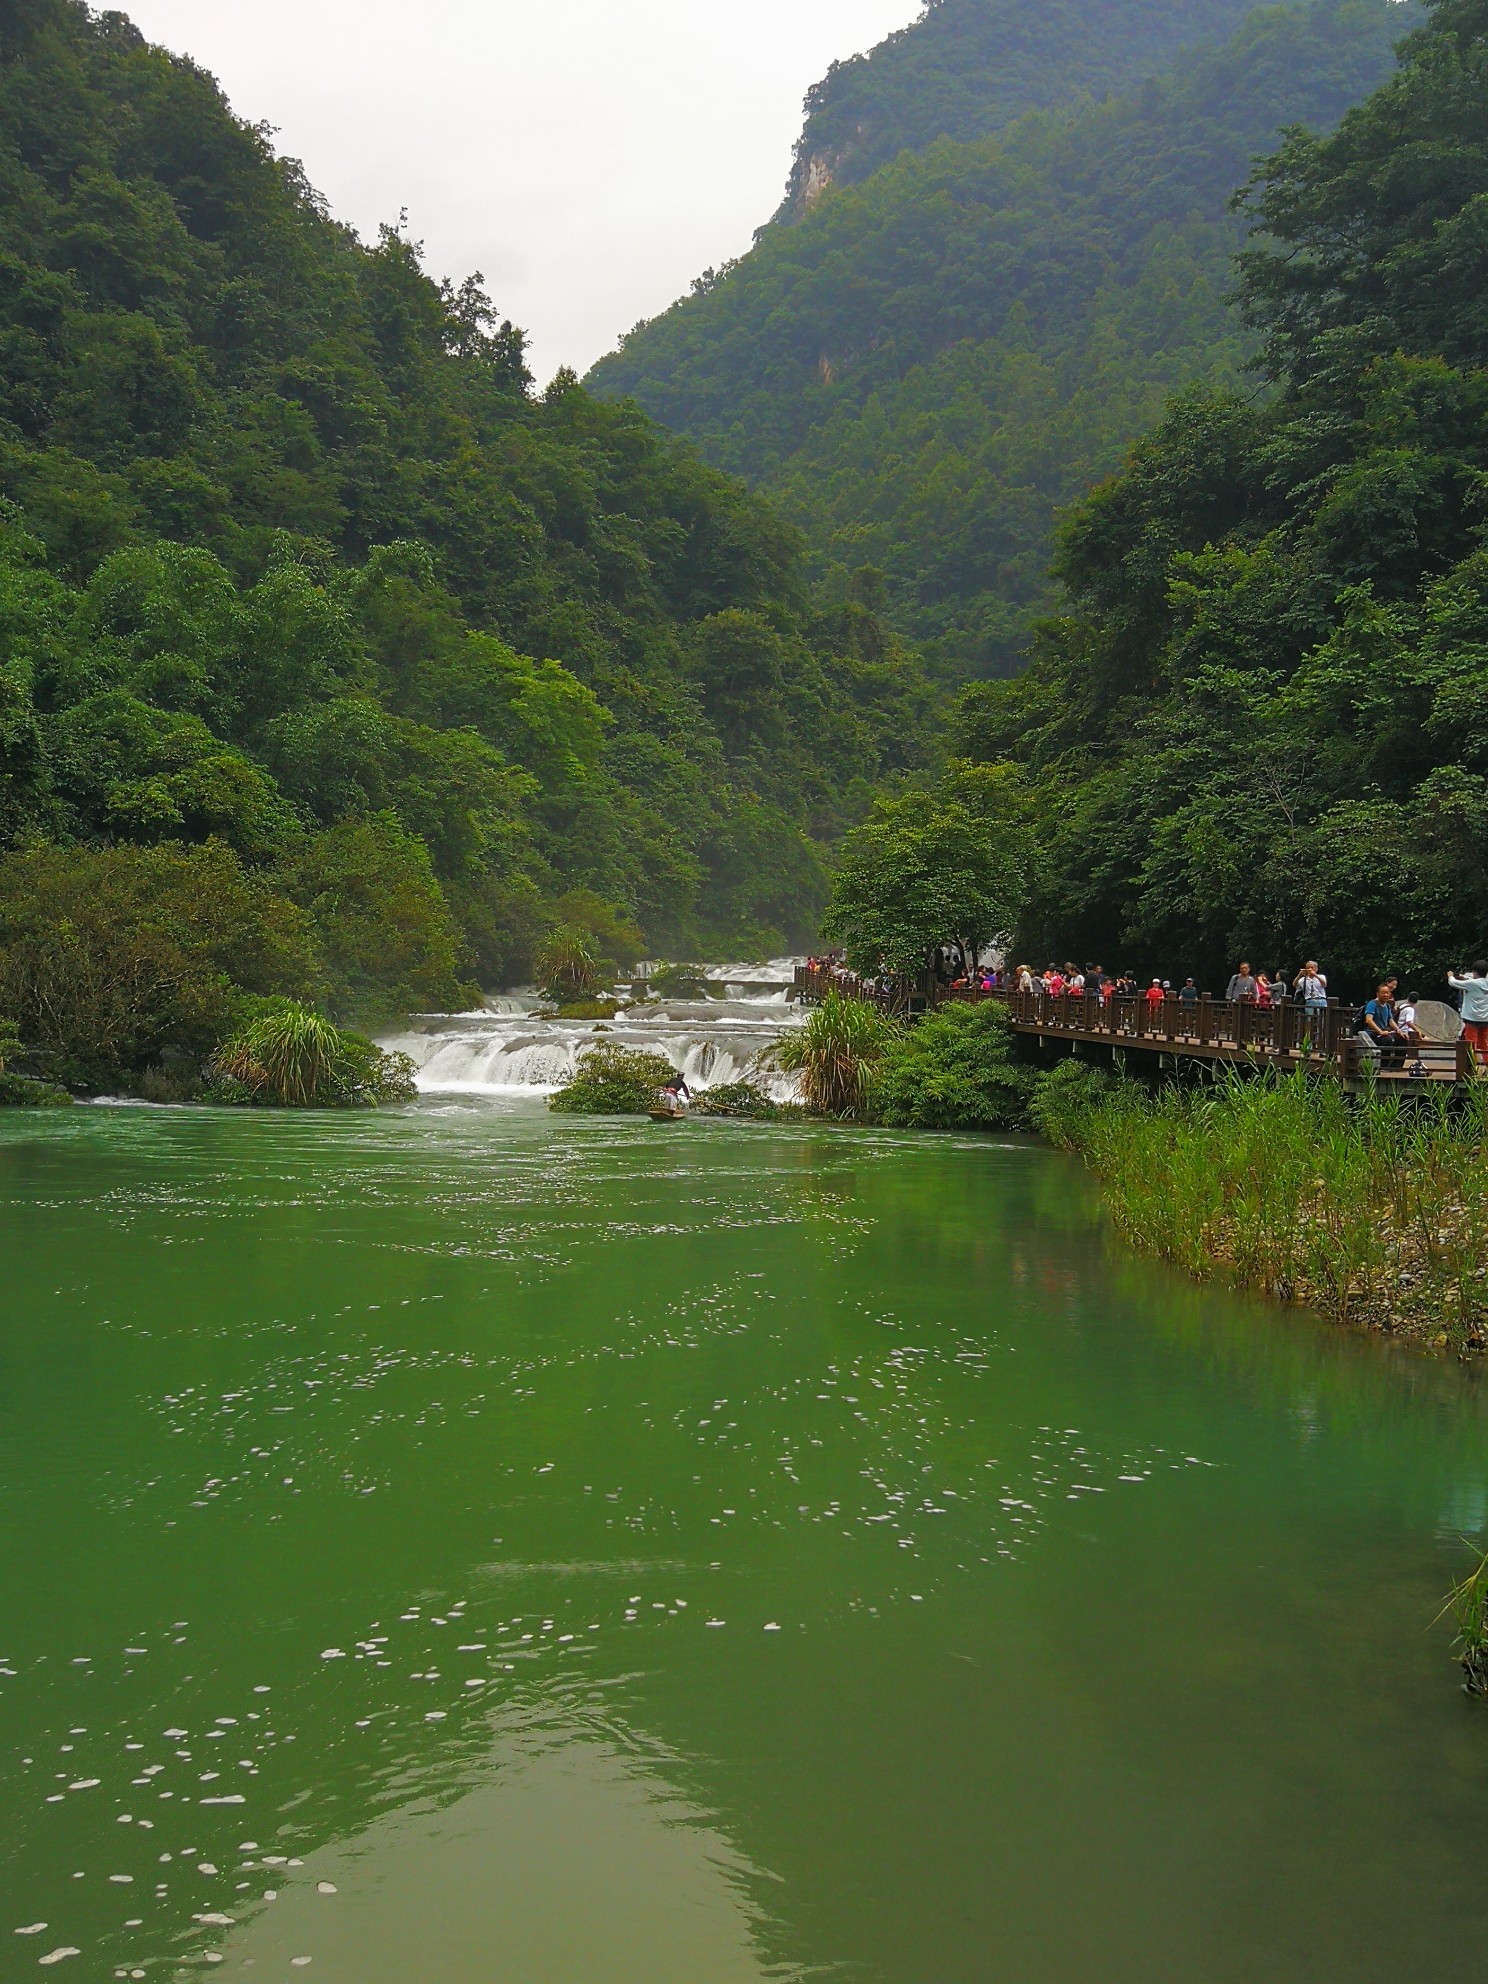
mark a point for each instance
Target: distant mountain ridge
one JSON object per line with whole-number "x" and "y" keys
{"x": 932, "y": 363}
{"x": 966, "y": 68}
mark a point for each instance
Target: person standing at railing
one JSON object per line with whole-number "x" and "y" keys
{"x": 1312, "y": 991}
{"x": 1263, "y": 992}
{"x": 1242, "y": 989}
{"x": 1473, "y": 985}
{"x": 1188, "y": 1008}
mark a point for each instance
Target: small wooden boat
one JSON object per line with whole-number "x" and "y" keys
{"x": 667, "y": 1112}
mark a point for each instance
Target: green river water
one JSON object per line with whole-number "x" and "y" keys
{"x": 603, "y": 1554}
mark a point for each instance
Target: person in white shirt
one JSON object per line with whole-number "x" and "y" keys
{"x": 1473, "y": 985}
{"x": 1311, "y": 986}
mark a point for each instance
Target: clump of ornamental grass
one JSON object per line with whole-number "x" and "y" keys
{"x": 567, "y": 967}
{"x": 1372, "y": 1209}
{"x": 290, "y": 1057}
{"x": 836, "y": 1054}
{"x": 1467, "y": 1602}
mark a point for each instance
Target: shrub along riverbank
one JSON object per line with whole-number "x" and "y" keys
{"x": 958, "y": 1069}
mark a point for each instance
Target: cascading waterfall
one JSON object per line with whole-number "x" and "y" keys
{"x": 508, "y": 1048}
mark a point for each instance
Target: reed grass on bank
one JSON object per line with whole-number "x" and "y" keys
{"x": 1373, "y": 1210}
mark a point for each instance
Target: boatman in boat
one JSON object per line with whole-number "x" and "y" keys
{"x": 678, "y": 1090}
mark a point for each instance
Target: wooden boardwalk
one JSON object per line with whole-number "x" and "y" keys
{"x": 1204, "y": 1029}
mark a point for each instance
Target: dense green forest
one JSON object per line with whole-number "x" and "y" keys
{"x": 1262, "y": 730}
{"x": 967, "y": 68}
{"x": 934, "y": 362}
{"x": 296, "y": 569}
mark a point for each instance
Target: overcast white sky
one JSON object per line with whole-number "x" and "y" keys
{"x": 591, "y": 156}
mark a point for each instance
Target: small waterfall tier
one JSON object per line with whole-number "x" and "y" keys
{"x": 508, "y": 1047}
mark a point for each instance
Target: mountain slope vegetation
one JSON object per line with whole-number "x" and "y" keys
{"x": 294, "y": 561}
{"x": 967, "y": 68}
{"x": 1263, "y": 729}
{"x": 934, "y": 362}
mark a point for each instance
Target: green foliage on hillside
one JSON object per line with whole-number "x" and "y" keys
{"x": 967, "y": 68}
{"x": 935, "y": 362}
{"x": 1263, "y": 730}
{"x": 294, "y": 561}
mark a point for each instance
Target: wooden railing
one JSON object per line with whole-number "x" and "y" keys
{"x": 1206, "y": 1026}
{"x": 890, "y": 995}
{"x": 1286, "y": 1035}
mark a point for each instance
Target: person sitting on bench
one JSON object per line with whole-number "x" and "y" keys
{"x": 1382, "y": 1031}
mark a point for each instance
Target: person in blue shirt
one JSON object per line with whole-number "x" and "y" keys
{"x": 1382, "y": 1030}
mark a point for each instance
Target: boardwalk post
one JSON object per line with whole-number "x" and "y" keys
{"x": 1333, "y": 1034}
{"x": 1206, "y": 1019}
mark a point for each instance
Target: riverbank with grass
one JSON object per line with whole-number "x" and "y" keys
{"x": 1372, "y": 1210}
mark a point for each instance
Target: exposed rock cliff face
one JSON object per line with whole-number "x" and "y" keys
{"x": 818, "y": 174}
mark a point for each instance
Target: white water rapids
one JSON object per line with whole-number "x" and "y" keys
{"x": 508, "y": 1048}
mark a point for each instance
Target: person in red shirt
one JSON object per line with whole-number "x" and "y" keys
{"x": 1155, "y": 995}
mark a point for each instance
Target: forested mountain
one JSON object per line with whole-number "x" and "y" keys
{"x": 292, "y": 557}
{"x": 935, "y": 361}
{"x": 1263, "y": 730}
{"x": 969, "y": 67}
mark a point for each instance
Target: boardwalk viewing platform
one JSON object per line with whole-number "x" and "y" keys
{"x": 1238, "y": 1032}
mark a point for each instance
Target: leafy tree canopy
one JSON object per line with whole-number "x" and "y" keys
{"x": 1261, "y": 731}
{"x": 295, "y": 559}
{"x": 924, "y": 869}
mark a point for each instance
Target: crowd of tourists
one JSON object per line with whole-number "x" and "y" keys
{"x": 1387, "y": 1025}
{"x": 1307, "y": 987}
